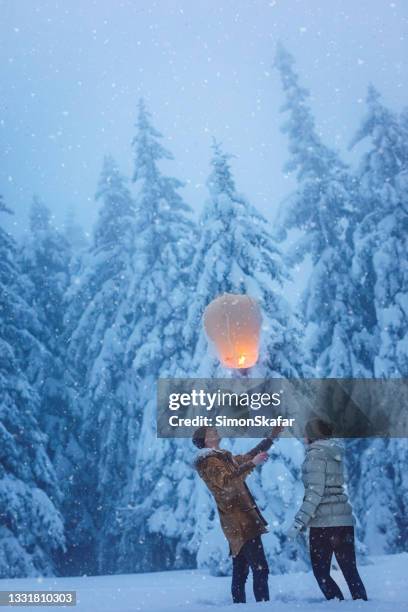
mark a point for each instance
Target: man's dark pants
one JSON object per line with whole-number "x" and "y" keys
{"x": 251, "y": 555}
{"x": 324, "y": 541}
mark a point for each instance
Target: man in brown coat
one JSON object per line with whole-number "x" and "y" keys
{"x": 240, "y": 517}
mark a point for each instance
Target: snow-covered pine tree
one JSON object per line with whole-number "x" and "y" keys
{"x": 31, "y": 531}
{"x": 373, "y": 487}
{"x": 97, "y": 324}
{"x": 323, "y": 208}
{"x": 236, "y": 254}
{"x": 155, "y": 524}
{"x": 395, "y": 470}
{"x": 381, "y": 244}
{"x": 381, "y": 239}
{"x": 73, "y": 231}
{"x": 45, "y": 257}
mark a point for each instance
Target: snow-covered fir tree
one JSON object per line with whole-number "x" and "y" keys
{"x": 154, "y": 524}
{"x": 323, "y": 207}
{"x": 73, "y": 231}
{"x": 45, "y": 258}
{"x": 324, "y": 210}
{"x": 31, "y": 527}
{"x": 236, "y": 254}
{"x": 381, "y": 243}
{"x": 97, "y": 323}
{"x": 381, "y": 238}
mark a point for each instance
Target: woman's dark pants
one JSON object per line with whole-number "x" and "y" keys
{"x": 324, "y": 541}
{"x": 251, "y": 555}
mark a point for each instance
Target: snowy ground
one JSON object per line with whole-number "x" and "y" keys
{"x": 386, "y": 580}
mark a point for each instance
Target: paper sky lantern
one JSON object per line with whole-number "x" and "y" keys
{"x": 233, "y": 323}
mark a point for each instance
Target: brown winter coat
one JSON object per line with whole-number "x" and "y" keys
{"x": 225, "y": 474}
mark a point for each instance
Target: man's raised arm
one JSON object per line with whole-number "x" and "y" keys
{"x": 263, "y": 446}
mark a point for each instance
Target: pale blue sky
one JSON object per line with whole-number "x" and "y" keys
{"x": 72, "y": 72}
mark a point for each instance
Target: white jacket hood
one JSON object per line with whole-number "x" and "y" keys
{"x": 334, "y": 447}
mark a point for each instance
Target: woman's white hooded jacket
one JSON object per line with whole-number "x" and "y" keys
{"x": 325, "y": 503}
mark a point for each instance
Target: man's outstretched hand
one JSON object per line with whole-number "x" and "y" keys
{"x": 275, "y": 431}
{"x": 260, "y": 458}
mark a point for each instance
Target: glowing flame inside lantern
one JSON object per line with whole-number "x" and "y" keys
{"x": 233, "y": 322}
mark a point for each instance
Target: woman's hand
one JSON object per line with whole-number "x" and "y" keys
{"x": 294, "y": 531}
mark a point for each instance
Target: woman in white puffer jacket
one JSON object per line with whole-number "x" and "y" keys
{"x": 327, "y": 512}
